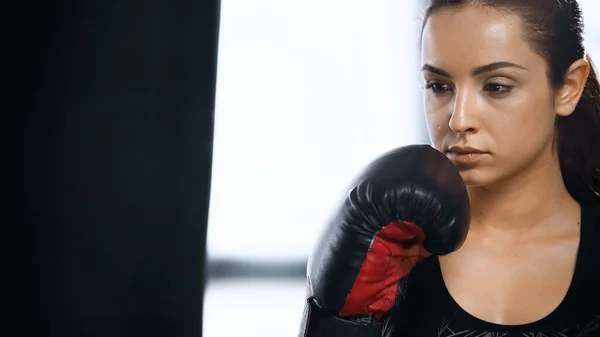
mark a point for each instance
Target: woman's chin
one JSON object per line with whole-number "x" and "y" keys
{"x": 474, "y": 178}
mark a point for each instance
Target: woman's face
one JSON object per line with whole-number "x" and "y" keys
{"x": 488, "y": 103}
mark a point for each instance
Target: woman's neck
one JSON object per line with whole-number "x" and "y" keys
{"x": 524, "y": 202}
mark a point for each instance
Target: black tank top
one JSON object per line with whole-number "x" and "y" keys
{"x": 430, "y": 311}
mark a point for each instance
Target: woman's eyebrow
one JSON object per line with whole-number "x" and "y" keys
{"x": 477, "y": 71}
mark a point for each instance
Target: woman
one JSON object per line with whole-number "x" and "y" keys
{"x": 510, "y": 89}
{"x": 513, "y": 101}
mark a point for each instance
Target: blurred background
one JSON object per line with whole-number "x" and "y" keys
{"x": 308, "y": 91}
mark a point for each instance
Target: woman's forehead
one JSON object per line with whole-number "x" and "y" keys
{"x": 473, "y": 36}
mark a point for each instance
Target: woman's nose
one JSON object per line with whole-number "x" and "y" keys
{"x": 464, "y": 112}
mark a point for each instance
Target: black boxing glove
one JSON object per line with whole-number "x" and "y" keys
{"x": 406, "y": 205}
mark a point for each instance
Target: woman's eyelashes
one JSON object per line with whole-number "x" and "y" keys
{"x": 497, "y": 88}
{"x": 491, "y": 88}
{"x": 438, "y": 87}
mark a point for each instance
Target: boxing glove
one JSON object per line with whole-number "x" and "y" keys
{"x": 406, "y": 205}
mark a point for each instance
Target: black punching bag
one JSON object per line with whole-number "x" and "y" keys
{"x": 115, "y": 119}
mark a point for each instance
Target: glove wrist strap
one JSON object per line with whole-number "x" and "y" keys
{"x": 316, "y": 322}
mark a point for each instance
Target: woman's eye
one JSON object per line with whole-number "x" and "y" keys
{"x": 496, "y": 88}
{"x": 438, "y": 88}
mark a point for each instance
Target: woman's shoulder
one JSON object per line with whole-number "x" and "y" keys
{"x": 590, "y": 222}
{"x": 594, "y": 211}
{"x": 589, "y": 245}
{"x": 587, "y": 271}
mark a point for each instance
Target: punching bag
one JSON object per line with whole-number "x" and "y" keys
{"x": 115, "y": 155}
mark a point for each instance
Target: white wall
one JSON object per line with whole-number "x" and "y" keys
{"x": 308, "y": 92}
{"x": 591, "y": 9}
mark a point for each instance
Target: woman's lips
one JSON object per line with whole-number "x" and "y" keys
{"x": 465, "y": 158}
{"x": 465, "y": 155}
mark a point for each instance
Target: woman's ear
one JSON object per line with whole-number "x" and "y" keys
{"x": 569, "y": 94}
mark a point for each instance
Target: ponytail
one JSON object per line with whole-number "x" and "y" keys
{"x": 579, "y": 144}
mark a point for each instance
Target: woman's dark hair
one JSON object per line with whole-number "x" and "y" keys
{"x": 554, "y": 29}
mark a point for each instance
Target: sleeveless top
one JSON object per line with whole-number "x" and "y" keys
{"x": 429, "y": 310}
